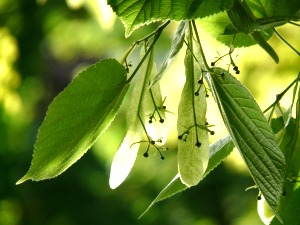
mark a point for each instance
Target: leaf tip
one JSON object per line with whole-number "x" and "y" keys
{"x": 113, "y": 183}
{"x": 23, "y": 179}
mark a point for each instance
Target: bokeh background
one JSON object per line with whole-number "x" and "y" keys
{"x": 42, "y": 46}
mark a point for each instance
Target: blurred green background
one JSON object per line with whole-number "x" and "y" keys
{"x": 42, "y": 45}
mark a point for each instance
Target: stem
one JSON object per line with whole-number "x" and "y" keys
{"x": 143, "y": 125}
{"x": 206, "y": 67}
{"x": 190, "y": 43}
{"x": 155, "y": 107}
{"x": 285, "y": 41}
{"x": 279, "y": 96}
{"x": 156, "y": 35}
{"x": 293, "y": 23}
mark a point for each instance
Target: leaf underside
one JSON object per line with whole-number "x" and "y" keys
{"x": 76, "y": 118}
{"x": 251, "y": 134}
{"x": 137, "y": 13}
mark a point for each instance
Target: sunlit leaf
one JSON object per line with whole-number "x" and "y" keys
{"x": 193, "y": 144}
{"x": 219, "y": 150}
{"x": 136, "y": 13}
{"x": 76, "y": 118}
{"x": 174, "y": 187}
{"x": 251, "y": 134}
{"x": 124, "y": 158}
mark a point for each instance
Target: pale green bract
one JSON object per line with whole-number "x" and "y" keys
{"x": 193, "y": 146}
{"x": 140, "y": 108}
{"x": 76, "y": 118}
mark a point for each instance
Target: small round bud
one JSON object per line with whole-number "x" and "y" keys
{"x": 146, "y": 154}
{"x": 212, "y": 132}
{"x": 198, "y": 144}
{"x": 212, "y": 63}
{"x": 284, "y": 193}
{"x": 161, "y": 120}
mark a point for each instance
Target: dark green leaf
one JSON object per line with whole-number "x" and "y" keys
{"x": 257, "y": 36}
{"x": 243, "y": 20}
{"x": 251, "y": 134}
{"x": 273, "y": 8}
{"x": 290, "y": 214}
{"x": 76, "y": 118}
{"x": 137, "y": 13}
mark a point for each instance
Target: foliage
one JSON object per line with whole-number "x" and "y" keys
{"x": 269, "y": 145}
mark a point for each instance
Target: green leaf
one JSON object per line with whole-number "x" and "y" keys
{"x": 257, "y": 36}
{"x": 290, "y": 214}
{"x": 264, "y": 14}
{"x": 291, "y": 141}
{"x": 177, "y": 44}
{"x": 219, "y": 150}
{"x": 218, "y": 25}
{"x": 273, "y": 8}
{"x": 251, "y": 134}
{"x": 193, "y": 146}
{"x": 174, "y": 187}
{"x": 76, "y": 118}
{"x": 139, "y": 110}
{"x": 137, "y": 13}
{"x": 243, "y": 20}
{"x": 220, "y": 28}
